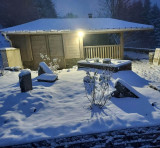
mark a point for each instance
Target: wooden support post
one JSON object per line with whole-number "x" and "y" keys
{"x": 47, "y": 46}
{"x": 122, "y": 44}
{"x": 81, "y": 47}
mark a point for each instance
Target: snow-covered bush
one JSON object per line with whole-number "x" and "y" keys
{"x": 96, "y": 60}
{"x": 87, "y": 60}
{"x": 97, "y": 88}
{"x": 52, "y": 63}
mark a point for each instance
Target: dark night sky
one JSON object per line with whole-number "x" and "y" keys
{"x": 81, "y": 7}
{"x": 78, "y": 7}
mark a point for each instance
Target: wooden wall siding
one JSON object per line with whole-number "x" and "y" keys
{"x": 107, "y": 51}
{"x": 23, "y": 43}
{"x": 56, "y": 45}
{"x": 122, "y": 44}
{"x": 81, "y": 47}
{"x": 39, "y": 45}
{"x": 56, "y": 48}
{"x": 71, "y": 46}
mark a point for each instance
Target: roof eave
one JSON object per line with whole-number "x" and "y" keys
{"x": 73, "y": 31}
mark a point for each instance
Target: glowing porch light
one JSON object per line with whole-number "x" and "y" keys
{"x": 80, "y": 33}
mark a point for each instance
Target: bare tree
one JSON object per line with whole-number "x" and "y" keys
{"x": 114, "y": 8}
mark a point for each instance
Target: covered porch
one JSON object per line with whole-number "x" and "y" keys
{"x": 113, "y": 51}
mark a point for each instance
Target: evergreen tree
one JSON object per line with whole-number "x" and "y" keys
{"x": 46, "y": 8}
{"x": 155, "y": 13}
{"x": 155, "y": 21}
{"x": 14, "y": 12}
{"x": 71, "y": 15}
{"x": 122, "y": 10}
{"x": 136, "y": 12}
{"x": 146, "y": 11}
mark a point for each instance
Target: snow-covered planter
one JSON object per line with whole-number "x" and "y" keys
{"x": 97, "y": 88}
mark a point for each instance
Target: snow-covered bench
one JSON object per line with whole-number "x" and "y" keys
{"x": 114, "y": 64}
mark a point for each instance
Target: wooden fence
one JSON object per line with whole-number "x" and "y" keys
{"x": 104, "y": 51}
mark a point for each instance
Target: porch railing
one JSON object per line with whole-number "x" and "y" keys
{"x": 104, "y": 51}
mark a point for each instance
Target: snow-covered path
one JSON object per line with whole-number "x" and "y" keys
{"x": 60, "y": 109}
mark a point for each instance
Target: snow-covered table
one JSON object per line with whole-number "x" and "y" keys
{"x": 115, "y": 65}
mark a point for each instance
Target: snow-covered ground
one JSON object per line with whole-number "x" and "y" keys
{"x": 135, "y": 55}
{"x": 61, "y": 109}
{"x": 146, "y": 70}
{"x": 143, "y": 68}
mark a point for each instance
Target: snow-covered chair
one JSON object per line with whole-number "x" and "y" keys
{"x": 43, "y": 68}
{"x": 45, "y": 74}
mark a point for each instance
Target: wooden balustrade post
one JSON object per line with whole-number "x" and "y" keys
{"x": 122, "y": 44}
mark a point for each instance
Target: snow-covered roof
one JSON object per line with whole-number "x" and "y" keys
{"x": 59, "y": 25}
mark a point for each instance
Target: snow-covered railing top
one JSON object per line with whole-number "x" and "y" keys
{"x": 60, "y": 25}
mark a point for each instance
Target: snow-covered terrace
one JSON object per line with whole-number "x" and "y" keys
{"x": 89, "y": 25}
